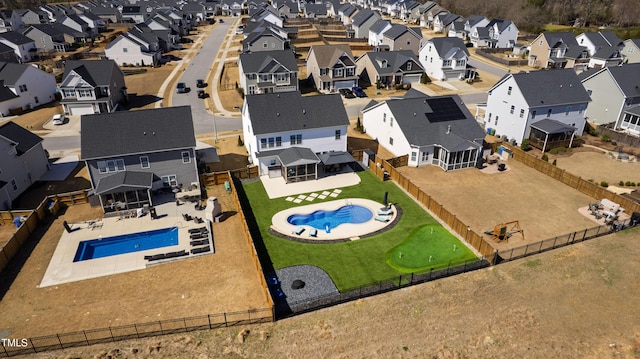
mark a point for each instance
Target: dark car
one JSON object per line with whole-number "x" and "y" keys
{"x": 200, "y": 83}
{"x": 181, "y": 87}
{"x": 347, "y": 93}
{"x": 357, "y": 90}
{"x": 221, "y": 21}
{"x": 202, "y": 94}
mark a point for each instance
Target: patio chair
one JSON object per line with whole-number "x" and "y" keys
{"x": 199, "y": 229}
{"x": 199, "y": 242}
{"x": 201, "y": 250}
{"x": 385, "y": 212}
{"x": 298, "y": 230}
{"x": 313, "y": 232}
{"x": 383, "y": 219}
{"x": 198, "y": 235}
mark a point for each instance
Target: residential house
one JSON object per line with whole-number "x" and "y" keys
{"x": 332, "y": 67}
{"x": 456, "y": 29}
{"x": 346, "y": 12}
{"x": 443, "y": 21}
{"x": 406, "y": 8}
{"x": 445, "y": 58}
{"x": 604, "y": 47}
{"x": 76, "y": 23}
{"x": 417, "y": 13}
{"x": 32, "y": 16}
{"x": 558, "y": 50}
{"x": 401, "y": 37}
{"x": 376, "y": 30}
{"x": 144, "y": 152}
{"x": 264, "y": 38}
{"x": 288, "y": 8}
{"x": 269, "y": 14}
{"x": 631, "y": 51}
{"x": 362, "y": 21}
{"x": 23, "y": 161}
{"x": 437, "y": 131}
{"x": 232, "y": 7}
{"x": 10, "y": 20}
{"x": 287, "y": 133}
{"x": 429, "y": 16}
{"x": 519, "y": 101}
{"x": 96, "y": 24}
{"x": 24, "y": 87}
{"x": 332, "y": 7}
{"x": 24, "y": 48}
{"x": 474, "y": 21}
{"x": 92, "y": 86}
{"x": 135, "y": 14}
{"x": 268, "y": 72}
{"x": 7, "y": 54}
{"x": 109, "y": 15}
{"x": 502, "y": 33}
{"x": 51, "y": 37}
{"x": 315, "y": 11}
{"x": 195, "y": 9}
{"x": 389, "y": 67}
{"x": 615, "y": 97}
{"x": 133, "y": 48}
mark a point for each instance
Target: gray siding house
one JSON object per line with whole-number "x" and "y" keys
{"x": 23, "y": 161}
{"x": 132, "y": 155}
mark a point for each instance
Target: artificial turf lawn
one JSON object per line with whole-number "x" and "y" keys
{"x": 428, "y": 247}
{"x": 349, "y": 264}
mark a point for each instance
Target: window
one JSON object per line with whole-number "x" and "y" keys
{"x": 384, "y": 117}
{"x": 263, "y": 143}
{"x": 549, "y": 113}
{"x": 110, "y": 166}
{"x": 497, "y": 120}
{"x": 513, "y": 108}
{"x": 521, "y": 113}
{"x": 409, "y": 64}
{"x": 144, "y": 161}
{"x": 630, "y": 50}
{"x": 391, "y": 122}
{"x": 69, "y": 93}
{"x": 414, "y": 155}
{"x": 14, "y": 184}
{"x": 581, "y": 109}
{"x": 272, "y": 163}
{"x": 22, "y": 88}
{"x": 265, "y": 77}
{"x": 567, "y": 110}
{"x": 446, "y": 63}
{"x": 431, "y": 59}
{"x": 281, "y": 77}
{"x": 509, "y": 90}
{"x": 169, "y": 180}
{"x": 186, "y": 157}
{"x": 391, "y": 141}
{"x": 489, "y": 118}
{"x": 540, "y": 44}
{"x": 296, "y": 139}
{"x": 338, "y": 134}
{"x": 124, "y": 49}
{"x": 278, "y": 141}
{"x": 272, "y": 142}
{"x": 84, "y": 93}
{"x": 425, "y": 156}
{"x": 338, "y": 72}
{"x": 351, "y": 71}
{"x": 461, "y": 63}
{"x": 252, "y": 90}
{"x": 251, "y": 76}
{"x": 36, "y": 100}
{"x": 265, "y": 45}
{"x": 533, "y": 114}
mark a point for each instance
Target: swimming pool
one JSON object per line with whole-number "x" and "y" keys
{"x": 126, "y": 243}
{"x": 328, "y": 220}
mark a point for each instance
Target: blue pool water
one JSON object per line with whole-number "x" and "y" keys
{"x": 126, "y": 243}
{"x": 327, "y": 220}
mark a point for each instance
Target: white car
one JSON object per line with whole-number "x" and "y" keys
{"x": 59, "y": 119}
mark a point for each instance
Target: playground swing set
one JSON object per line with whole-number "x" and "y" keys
{"x": 503, "y": 231}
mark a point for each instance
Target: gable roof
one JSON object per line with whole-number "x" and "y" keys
{"x": 11, "y": 72}
{"x": 134, "y": 132}
{"x": 290, "y": 111}
{"x": 441, "y": 120}
{"x": 361, "y": 17}
{"x": 15, "y": 37}
{"x": 268, "y": 61}
{"x": 95, "y": 72}
{"x": 24, "y": 139}
{"x": 554, "y": 39}
{"x": 397, "y": 30}
{"x": 394, "y": 59}
{"x": 379, "y": 25}
{"x": 328, "y": 55}
{"x": 549, "y": 87}
{"x": 626, "y": 77}
{"x": 449, "y": 47}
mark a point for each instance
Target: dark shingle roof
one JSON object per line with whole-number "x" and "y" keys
{"x": 379, "y": 25}
{"x": 124, "y": 181}
{"x": 551, "y": 87}
{"x": 551, "y": 126}
{"x": 294, "y": 156}
{"x": 24, "y": 138}
{"x": 449, "y": 47}
{"x": 361, "y": 17}
{"x": 289, "y": 111}
{"x": 442, "y": 120}
{"x": 395, "y": 60}
{"x": 96, "y": 72}
{"x": 628, "y": 78}
{"x": 15, "y": 38}
{"x": 132, "y": 132}
{"x": 268, "y": 61}
{"x": 10, "y": 72}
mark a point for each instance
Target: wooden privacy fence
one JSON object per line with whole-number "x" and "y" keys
{"x": 216, "y": 178}
{"x": 136, "y": 331}
{"x": 384, "y": 170}
{"x": 590, "y": 189}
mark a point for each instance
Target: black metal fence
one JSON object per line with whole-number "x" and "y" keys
{"x": 134, "y": 331}
{"x": 297, "y": 307}
{"x": 560, "y": 241}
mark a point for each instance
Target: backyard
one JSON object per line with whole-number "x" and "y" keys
{"x": 361, "y": 262}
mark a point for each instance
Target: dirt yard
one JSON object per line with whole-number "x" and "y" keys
{"x": 578, "y": 301}
{"x": 226, "y": 281}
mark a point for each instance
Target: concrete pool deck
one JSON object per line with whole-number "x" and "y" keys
{"x": 62, "y": 269}
{"x": 277, "y": 187}
{"x": 351, "y": 231}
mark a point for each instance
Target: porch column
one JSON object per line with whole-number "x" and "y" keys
{"x": 571, "y": 140}
{"x": 544, "y": 146}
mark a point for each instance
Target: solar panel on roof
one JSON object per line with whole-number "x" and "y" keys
{"x": 444, "y": 109}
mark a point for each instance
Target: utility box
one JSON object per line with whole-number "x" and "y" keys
{"x": 213, "y": 209}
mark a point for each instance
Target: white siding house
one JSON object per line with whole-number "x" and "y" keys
{"x": 445, "y": 58}
{"x": 24, "y": 86}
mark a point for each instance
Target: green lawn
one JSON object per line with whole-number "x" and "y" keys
{"x": 350, "y": 264}
{"x": 428, "y": 247}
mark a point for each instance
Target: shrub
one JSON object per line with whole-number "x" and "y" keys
{"x": 240, "y": 142}
{"x": 358, "y": 125}
{"x": 590, "y": 180}
{"x": 604, "y": 184}
{"x": 378, "y": 84}
{"x": 240, "y": 91}
{"x": 424, "y": 79}
{"x": 545, "y": 158}
{"x": 621, "y": 183}
{"x": 525, "y": 146}
{"x": 629, "y": 183}
{"x": 606, "y": 137}
{"x": 555, "y": 162}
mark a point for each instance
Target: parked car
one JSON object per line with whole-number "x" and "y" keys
{"x": 357, "y": 90}
{"x": 202, "y": 94}
{"x": 201, "y": 84}
{"x": 221, "y": 21}
{"x": 59, "y": 119}
{"x": 240, "y": 30}
{"x": 181, "y": 87}
{"x": 347, "y": 93}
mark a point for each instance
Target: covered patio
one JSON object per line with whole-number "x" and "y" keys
{"x": 548, "y": 134}
{"x": 335, "y": 161}
{"x": 298, "y": 164}
{"x": 124, "y": 191}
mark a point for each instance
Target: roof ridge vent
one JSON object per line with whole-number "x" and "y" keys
{"x": 304, "y": 111}
{"x": 448, "y": 129}
{"x": 277, "y": 114}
